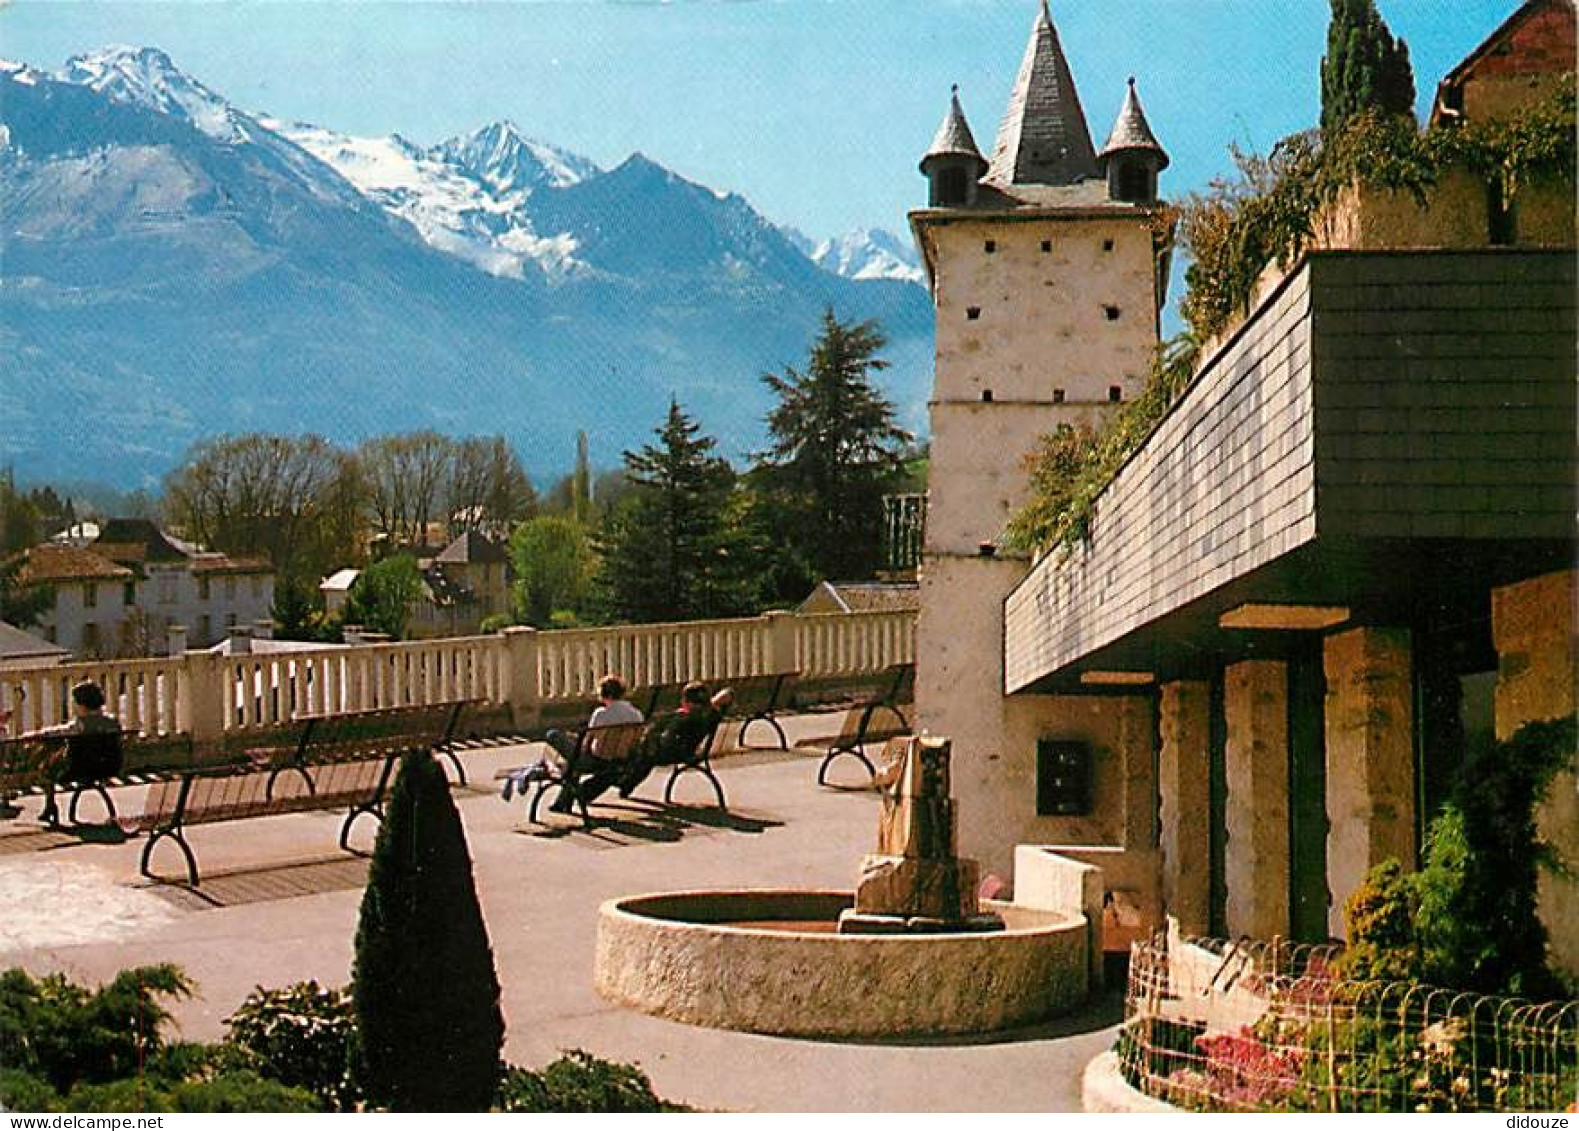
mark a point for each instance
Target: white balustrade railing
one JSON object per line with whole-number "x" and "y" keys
{"x": 202, "y": 693}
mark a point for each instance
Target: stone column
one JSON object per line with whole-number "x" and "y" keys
{"x": 1255, "y": 706}
{"x": 1185, "y": 788}
{"x": 781, "y": 642}
{"x": 200, "y": 697}
{"x": 520, "y": 678}
{"x": 1532, "y": 627}
{"x": 1369, "y": 736}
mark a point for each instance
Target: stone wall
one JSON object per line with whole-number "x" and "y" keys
{"x": 1453, "y": 215}
{"x": 1184, "y": 784}
{"x": 1255, "y": 704}
{"x": 1532, "y": 626}
{"x": 959, "y": 694}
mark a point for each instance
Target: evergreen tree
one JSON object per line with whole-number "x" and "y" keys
{"x": 581, "y": 485}
{"x": 836, "y": 450}
{"x": 1365, "y": 68}
{"x": 21, "y": 605}
{"x": 672, "y": 549}
{"x": 424, "y": 985}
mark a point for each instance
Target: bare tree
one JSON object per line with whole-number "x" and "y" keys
{"x": 406, "y": 482}
{"x": 280, "y": 496}
{"x": 488, "y": 490}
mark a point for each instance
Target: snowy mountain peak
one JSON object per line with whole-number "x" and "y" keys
{"x": 146, "y": 76}
{"x": 505, "y": 159}
{"x": 869, "y": 253}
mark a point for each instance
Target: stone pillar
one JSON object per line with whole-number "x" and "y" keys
{"x": 1532, "y": 627}
{"x": 1369, "y": 737}
{"x": 520, "y": 678}
{"x": 1255, "y": 706}
{"x": 781, "y": 642}
{"x": 1185, "y": 789}
{"x": 176, "y": 637}
{"x": 201, "y": 697}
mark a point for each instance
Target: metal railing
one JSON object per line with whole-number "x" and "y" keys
{"x": 1270, "y": 1026}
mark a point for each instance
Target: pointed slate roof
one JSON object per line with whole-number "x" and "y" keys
{"x": 472, "y": 547}
{"x": 954, "y": 138}
{"x": 1132, "y": 131}
{"x": 1044, "y": 139}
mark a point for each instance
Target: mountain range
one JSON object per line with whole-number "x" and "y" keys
{"x": 173, "y": 267}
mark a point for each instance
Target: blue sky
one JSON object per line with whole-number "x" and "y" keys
{"x": 815, "y": 110}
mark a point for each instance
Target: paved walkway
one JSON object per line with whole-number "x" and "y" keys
{"x": 279, "y": 904}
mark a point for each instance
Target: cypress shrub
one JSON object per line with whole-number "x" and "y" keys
{"x": 424, "y": 987}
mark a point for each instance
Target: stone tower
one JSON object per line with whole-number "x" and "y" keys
{"x": 1047, "y": 267}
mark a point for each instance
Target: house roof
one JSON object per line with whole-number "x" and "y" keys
{"x": 129, "y": 540}
{"x": 954, "y": 138}
{"x": 1044, "y": 139}
{"x": 340, "y": 581}
{"x": 224, "y": 563}
{"x": 47, "y": 565}
{"x": 16, "y": 644}
{"x": 1131, "y": 130}
{"x": 472, "y": 547}
{"x": 870, "y": 596}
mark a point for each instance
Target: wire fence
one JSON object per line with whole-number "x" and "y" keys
{"x": 1212, "y": 1025}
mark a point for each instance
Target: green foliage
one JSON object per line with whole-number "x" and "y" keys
{"x": 674, "y": 548}
{"x": 424, "y": 987}
{"x": 382, "y": 595}
{"x": 1266, "y": 212}
{"x": 553, "y": 561}
{"x": 1073, "y": 465}
{"x": 835, "y": 451}
{"x": 240, "y": 1091}
{"x": 303, "y": 1036}
{"x": 1365, "y": 68}
{"x": 580, "y": 1082}
{"x": 1467, "y": 920}
{"x": 21, "y": 605}
{"x": 66, "y": 1034}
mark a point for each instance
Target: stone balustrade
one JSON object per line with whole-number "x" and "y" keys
{"x": 205, "y": 694}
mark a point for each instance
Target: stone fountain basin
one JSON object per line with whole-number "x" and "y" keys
{"x": 770, "y": 962}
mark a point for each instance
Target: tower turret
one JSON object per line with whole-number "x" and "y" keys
{"x": 1044, "y": 139}
{"x": 953, "y": 165}
{"x": 1132, "y": 157}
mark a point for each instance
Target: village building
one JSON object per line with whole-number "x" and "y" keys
{"x": 19, "y": 649}
{"x": 862, "y": 597}
{"x": 1342, "y": 558}
{"x": 181, "y": 586}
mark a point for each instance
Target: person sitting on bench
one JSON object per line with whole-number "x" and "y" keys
{"x": 679, "y": 738}
{"x": 80, "y": 762}
{"x": 615, "y": 710}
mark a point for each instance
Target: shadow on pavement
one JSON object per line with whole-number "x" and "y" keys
{"x": 241, "y": 886}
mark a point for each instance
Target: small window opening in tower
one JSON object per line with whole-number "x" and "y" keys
{"x": 952, "y": 187}
{"x": 986, "y": 396}
{"x": 1107, "y": 245}
{"x": 1115, "y": 394}
{"x": 1134, "y": 183}
{"x": 1047, "y": 245}
{"x": 972, "y": 312}
{"x": 1111, "y": 312}
{"x": 1058, "y": 396}
{"x": 990, "y": 246}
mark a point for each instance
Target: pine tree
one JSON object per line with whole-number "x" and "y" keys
{"x": 836, "y": 450}
{"x": 672, "y": 548}
{"x": 581, "y": 485}
{"x": 424, "y": 985}
{"x": 1365, "y": 68}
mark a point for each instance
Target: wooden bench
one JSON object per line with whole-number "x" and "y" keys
{"x": 701, "y": 762}
{"x": 332, "y": 760}
{"x": 760, "y": 699}
{"x": 141, "y": 759}
{"x": 874, "y": 719}
{"x": 236, "y": 793}
{"x": 596, "y": 749}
